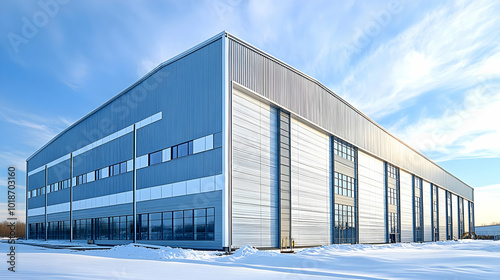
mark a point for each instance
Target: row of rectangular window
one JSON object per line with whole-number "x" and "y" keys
{"x": 102, "y": 173}
{"x": 343, "y": 149}
{"x": 392, "y": 196}
{"x": 108, "y": 228}
{"x": 181, "y": 150}
{"x": 36, "y": 192}
{"x": 344, "y": 185}
{"x": 194, "y": 224}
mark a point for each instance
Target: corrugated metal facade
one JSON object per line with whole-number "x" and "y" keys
{"x": 371, "y": 199}
{"x": 310, "y": 185}
{"x": 255, "y": 172}
{"x": 311, "y": 100}
{"x": 406, "y": 206}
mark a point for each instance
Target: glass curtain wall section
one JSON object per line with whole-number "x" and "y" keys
{"x": 449, "y": 216}
{"x": 461, "y": 225}
{"x": 418, "y": 209}
{"x": 435, "y": 214}
{"x": 392, "y": 203}
{"x": 344, "y": 192}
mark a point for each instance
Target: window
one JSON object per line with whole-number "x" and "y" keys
{"x": 344, "y": 185}
{"x": 114, "y": 169}
{"x": 393, "y": 199}
{"x": 393, "y": 223}
{"x": 81, "y": 179}
{"x": 391, "y": 171}
{"x": 155, "y": 158}
{"x": 167, "y": 226}
{"x": 155, "y": 226}
{"x": 345, "y": 224}
{"x": 418, "y": 220}
{"x": 435, "y": 220}
{"x": 123, "y": 167}
{"x": 343, "y": 149}
{"x": 449, "y": 212}
{"x": 182, "y": 150}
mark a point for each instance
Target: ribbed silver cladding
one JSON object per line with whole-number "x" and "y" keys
{"x": 426, "y": 202}
{"x": 466, "y": 216}
{"x": 254, "y": 174}
{"x": 311, "y": 100}
{"x": 442, "y": 213}
{"x": 406, "y": 199}
{"x": 454, "y": 207}
{"x": 371, "y": 199}
{"x": 310, "y": 185}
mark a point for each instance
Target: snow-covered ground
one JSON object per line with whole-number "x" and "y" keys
{"x": 441, "y": 260}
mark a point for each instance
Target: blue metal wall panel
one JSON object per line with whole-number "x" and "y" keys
{"x": 191, "y": 101}
{"x": 204, "y": 164}
{"x": 57, "y": 197}
{"x": 36, "y": 219}
{"x": 63, "y": 216}
{"x": 188, "y": 91}
{"x": 192, "y": 201}
{"x": 36, "y": 180}
{"x": 58, "y": 172}
{"x": 106, "y": 186}
{"x": 218, "y": 140}
{"x": 102, "y": 212}
{"x": 116, "y": 151}
{"x": 36, "y": 202}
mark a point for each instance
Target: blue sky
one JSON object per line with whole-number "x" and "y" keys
{"x": 428, "y": 71}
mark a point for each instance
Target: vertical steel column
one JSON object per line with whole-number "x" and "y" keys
{"x": 134, "y": 179}
{"x": 70, "y": 197}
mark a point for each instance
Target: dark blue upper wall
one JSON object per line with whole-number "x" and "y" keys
{"x": 188, "y": 91}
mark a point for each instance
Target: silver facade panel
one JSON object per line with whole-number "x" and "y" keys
{"x": 371, "y": 199}
{"x": 310, "y": 185}
{"x": 454, "y": 208}
{"x": 311, "y": 100}
{"x": 254, "y": 172}
{"x": 406, "y": 199}
{"x": 427, "y": 203}
{"x": 341, "y": 166}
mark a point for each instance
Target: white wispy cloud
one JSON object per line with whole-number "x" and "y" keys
{"x": 450, "y": 48}
{"x": 468, "y": 130}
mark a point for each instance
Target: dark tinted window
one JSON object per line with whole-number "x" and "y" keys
{"x": 155, "y": 158}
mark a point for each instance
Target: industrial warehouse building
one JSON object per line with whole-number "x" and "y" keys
{"x": 225, "y": 145}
